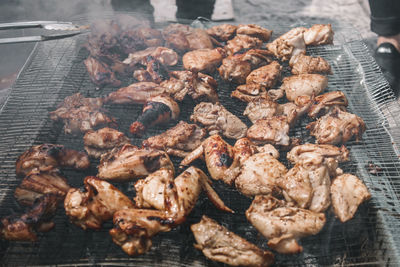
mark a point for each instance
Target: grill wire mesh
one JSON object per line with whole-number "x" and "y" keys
{"x": 55, "y": 70}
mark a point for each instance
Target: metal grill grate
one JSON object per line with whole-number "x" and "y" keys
{"x": 56, "y": 70}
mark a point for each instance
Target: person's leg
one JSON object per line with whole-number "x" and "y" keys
{"x": 191, "y": 9}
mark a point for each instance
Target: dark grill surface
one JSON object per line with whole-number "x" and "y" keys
{"x": 55, "y": 70}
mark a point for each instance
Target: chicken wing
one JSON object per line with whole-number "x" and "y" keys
{"x": 204, "y": 60}
{"x": 274, "y": 130}
{"x": 319, "y": 34}
{"x": 347, "y": 192}
{"x": 223, "y": 32}
{"x": 129, "y": 162}
{"x": 178, "y": 140}
{"x": 219, "y": 244}
{"x": 337, "y": 127}
{"x": 40, "y": 182}
{"x": 218, "y": 120}
{"x": 47, "y": 156}
{"x": 302, "y": 64}
{"x": 254, "y": 30}
{"x": 283, "y": 224}
{"x": 304, "y": 84}
{"x": 102, "y": 141}
{"x": 289, "y": 44}
{"x": 91, "y": 206}
{"x": 136, "y": 93}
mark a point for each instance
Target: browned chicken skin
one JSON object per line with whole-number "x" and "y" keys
{"x": 240, "y": 42}
{"x": 178, "y": 140}
{"x": 47, "y": 156}
{"x": 219, "y": 244}
{"x": 216, "y": 119}
{"x": 283, "y": 224}
{"x": 40, "y": 182}
{"x": 80, "y": 114}
{"x": 289, "y": 44}
{"x": 37, "y": 219}
{"x": 136, "y": 93}
{"x": 157, "y": 110}
{"x": 204, "y": 60}
{"x": 273, "y": 130}
{"x": 304, "y": 85}
{"x": 250, "y": 92}
{"x": 324, "y": 103}
{"x": 223, "y": 32}
{"x": 266, "y": 76}
{"x": 164, "y": 55}
{"x": 337, "y": 127}
{"x": 302, "y": 64}
{"x": 347, "y": 192}
{"x": 102, "y": 141}
{"x": 94, "y": 204}
{"x": 254, "y": 30}
{"x": 319, "y": 34}
{"x": 100, "y": 73}
{"x": 129, "y": 162}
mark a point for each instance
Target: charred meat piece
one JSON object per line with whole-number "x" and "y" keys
{"x": 43, "y": 157}
{"x": 80, "y": 114}
{"x": 347, "y": 192}
{"x": 94, "y": 204}
{"x": 205, "y": 60}
{"x": 198, "y": 86}
{"x": 218, "y": 120}
{"x": 223, "y": 32}
{"x": 259, "y": 175}
{"x": 337, "y": 127}
{"x": 319, "y": 34}
{"x": 129, "y": 162}
{"x": 157, "y": 110}
{"x": 266, "y": 76}
{"x": 289, "y": 44}
{"x": 219, "y": 244}
{"x": 184, "y": 38}
{"x": 164, "y": 55}
{"x": 100, "y": 73}
{"x": 323, "y": 104}
{"x": 38, "y": 183}
{"x": 237, "y": 67}
{"x": 37, "y": 219}
{"x": 154, "y": 72}
{"x": 240, "y": 42}
{"x": 250, "y": 92}
{"x": 283, "y": 224}
{"x": 102, "y": 141}
{"x": 136, "y": 93}
{"x": 304, "y": 85}
{"x": 302, "y": 64}
{"x": 178, "y": 140}
{"x": 274, "y": 130}
{"x": 254, "y": 30}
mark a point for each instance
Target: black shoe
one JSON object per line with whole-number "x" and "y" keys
{"x": 388, "y": 58}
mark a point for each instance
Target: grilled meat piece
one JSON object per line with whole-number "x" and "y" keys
{"x": 304, "y": 85}
{"x": 204, "y": 60}
{"x": 136, "y": 93}
{"x": 259, "y": 175}
{"x": 219, "y": 244}
{"x": 283, "y": 224}
{"x": 250, "y": 92}
{"x": 129, "y": 162}
{"x": 274, "y": 130}
{"x": 319, "y": 34}
{"x": 218, "y": 120}
{"x": 47, "y": 156}
{"x": 173, "y": 199}
{"x": 289, "y": 44}
{"x": 198, "y": 86}
{"x": 80, "y": 114}
{"x": 94, "y": 204}
{"x": 100, "y": 73}
{"x": 157, "y": 110}
{"x": 178, "y": 140}
{"x": 37, "y": 219}
{"x": 103, "y": 140}
{"x": 323, "y": 104}
{"x": 254, "y": 30}
{"x": 337, "y": 127}
{"x": 154, "y": 72}
{"x": 302, "y": 64}
{"x": 241, "y": 42}
{"x": 40, "y": 182}
{"x": 266, "y": 76}
{"x": 164, "y": 55}
{"x": 222, "y": 32}
{"x": 314, "y": 154}
{"x": 184, "y": 38}
{"x": 347, "y": 192}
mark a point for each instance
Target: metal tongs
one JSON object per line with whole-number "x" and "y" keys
{"x": 47, "y": 25}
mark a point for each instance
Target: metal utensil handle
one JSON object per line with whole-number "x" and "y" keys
{"x": 38, "y": 38}
{"x": 26, "y": 24}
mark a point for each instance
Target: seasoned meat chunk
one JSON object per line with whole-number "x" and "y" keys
{"x": 223, "y": 32}
{"x": 289, "y": 44}
{"x": 302, "y": 64}
{"x": 304, "y": 85}
{"x": 100, "y": 73}
{"x": 240, "y": 42}
{"x": 319, "y": 34}
{"x": 184, "y": 38}
{"x": 266, "y": 76}
{"x": 136, "y": 93}
{"x": 254, "y": 30}
{"x": 274, "y": 130}
{"x": 205, "y": 60}
{"x": 323, "y": 104}
{"x": 103, "y": 140}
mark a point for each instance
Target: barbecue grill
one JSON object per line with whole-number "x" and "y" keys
{"x": 55, "y": 70}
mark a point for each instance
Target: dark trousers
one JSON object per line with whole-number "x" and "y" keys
{"x": 385, "y": 17}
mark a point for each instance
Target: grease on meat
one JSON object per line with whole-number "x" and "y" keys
{"x": 102, "y": 141}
